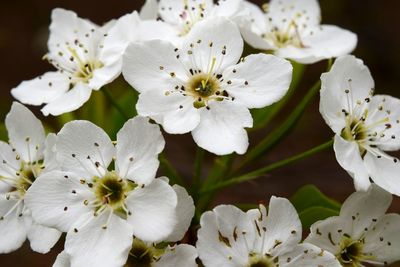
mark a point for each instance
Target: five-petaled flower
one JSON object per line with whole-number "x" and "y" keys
{"x": 100, "y": 206}
{"x": 28, "y": 155}
{"x": 231, "y": 238}
{"x": 366, "y": 125}
{"x": 291, "y": 29}
{"x": 362, "y": 233}
{"x": 201, "y": 88}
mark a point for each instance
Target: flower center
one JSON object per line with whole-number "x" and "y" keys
{"x": 191, "y": 15}
{"x": 257, "y": 260}
{"x": 351, "y": 253}
{"x": 142, "y": 255}
{"x": 285, "y": 37}
{"x": 203, "y": 87}
{"x": 26, "y": 176}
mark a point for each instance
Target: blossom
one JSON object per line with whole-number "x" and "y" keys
{"x": 183, "y": 15}
{"x": 231, "y": 238}
{"x": 291, "y": 29}
{"x": 75, "y": 50}
{"x": 27, "y": 156}
{"x": 99, "y": 206}
{"x": 365, "y": 125}
{"x": 362, "y": 233}
{"x": 201, "y": 88}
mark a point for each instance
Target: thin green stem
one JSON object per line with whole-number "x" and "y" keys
{"x": 114, "y": 103}
{"x": 262, "y": 171}
{"x": 170, "y": 171}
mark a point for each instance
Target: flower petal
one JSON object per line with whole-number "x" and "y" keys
{"x": 221, "y": 128}
{"x": 42, "y": 89}
{"x": 348, "y": 156}
{"x": 56, "y": 199}
{"x": 347, "y": 73}
{"x": 62, "y": 260}
{"x": 184, "y": 214}
{"x": 149, "y": 10}
{"x": 70, "y": 101}
{"x": 84, "y": 148}
{"x": 182, "y": 255}
{"x": 259, "y": 80}
{"x": 42, "y": 238}
{"x": 384, "y": 171}
{"x": 173, "y": 111}
{"x": 306, "y": 255}
{"x": 322, "y": 42}
{"x": 50, "y": 153}
{"x": 26, "y": 133}
{"x": 224, "y": 236}
{"x": 8, "y": 165}
{"x": 138, "y": 144}
{"x": 214, "y": 37}
{"x": 153, "y": 211}
{"x": 90, "y": 243}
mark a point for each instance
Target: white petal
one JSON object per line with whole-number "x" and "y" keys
{"x": 62, "y": 260}
{"x": 259, "y": 81}
{"x": 12, "y": 227}
{"x": 153, "y": 211}
{"x": 70, "y": 101}
{"x": 149, "y": 10}
{"x": 347, "y": 73}
{"x": 84, "y": 148}
{"x": 56, "y": 199}
{"x": 184, "y": 214}
{"x": 348, "y": 155}
{"x": 219, "y": 38}
{"x": 50, "y": 159}
{"x": 384, "y": 241}
{"x": 138, "y": 144}
{"x": 224, "y": 237}
{"x": 173, "y": 111}
{"x": 145, "y": 69}
{"x": 89, "y": 244}
{"x": 306, "y": 255}
{"x": 221, "y": 129}
{"x": 26, "y": 132}
{"x": 384, "y": 172}
{"x": 42, "y": 238}
{"x": 322, "y": 42}
{"x": 42, "y": 89}
{"x": 385, "y": 109}
{"x": 8, "y": 164}
{"x": 180, "y": 256}
{"x": 104, "y": 75}
{"x": 361, "y": 209}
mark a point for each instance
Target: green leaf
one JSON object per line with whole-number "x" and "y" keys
{"x": 311, "y": 215}
{"x": 309, "y": 196}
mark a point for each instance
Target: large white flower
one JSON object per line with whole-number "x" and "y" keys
{"x": 201, "y": 88}
{"x": 362, "y": 233}
{"x": 231, "y": 238}
{"x": 101, "y": 206}
{"x": 27, "y": 156}
{"x": 365, "y": 125}
{"x": 183, "y": 15}
{"x": 291, "y": 29}
{"x": 75, "y": 50}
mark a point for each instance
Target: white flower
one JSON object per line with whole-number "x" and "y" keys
{"x": 101, "y": 208}
{"x": 201, "y": 89}
{"x": 362, "y": 233}
{"x": 183, "y": 15}
{"x": 231, "y": 238}
{"x": 21, "y": 162}
{"x": 75, "y": 50}
{"x": 291, "y": 29}
{"x": 365, "y": 125}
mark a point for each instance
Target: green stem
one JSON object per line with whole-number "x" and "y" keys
{"x": 262, "y": 171}
{"x": 114, "y": 103}
{"x": 170, "y": 171}
{"x": 198, "y": 167}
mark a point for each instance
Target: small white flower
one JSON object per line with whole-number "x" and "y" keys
{"x": 22, "y": 161}
{"x": 183, "y": 15}
{"x": 201, "y": 88}
{"x": 75, "y": 50}
{"x": 291, "y": 29}
{"x": 231, "y": 238}
{"x": 362, "y": 233}
{"x": 102, "y": 207}
{"x": 365, "y": 124}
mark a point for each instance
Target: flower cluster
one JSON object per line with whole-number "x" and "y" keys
{"x": 185, "y": 59}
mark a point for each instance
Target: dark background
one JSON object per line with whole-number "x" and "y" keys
{"x": 23, "y": 37}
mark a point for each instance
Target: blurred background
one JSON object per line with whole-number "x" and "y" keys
{"x": 23, "y": 36}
